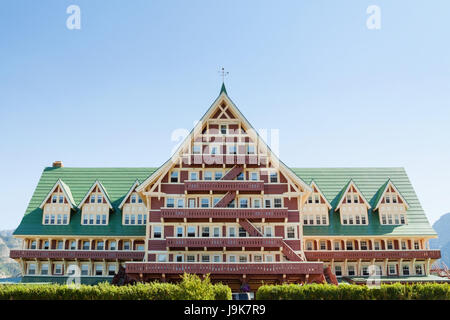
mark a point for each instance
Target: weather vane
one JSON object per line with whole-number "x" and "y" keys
{"x": 223, "y": 74}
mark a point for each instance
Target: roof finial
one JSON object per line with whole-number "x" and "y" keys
{"x": 223, "y": 74}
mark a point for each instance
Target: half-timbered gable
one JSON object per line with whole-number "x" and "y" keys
{"x": 353, "y": 206}
{"x": 57, "y": 205}
{"x": 391, "y": 205}
{"x": 95, "y": 206}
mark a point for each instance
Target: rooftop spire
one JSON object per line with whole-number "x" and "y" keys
{"x": 223, "y": 74}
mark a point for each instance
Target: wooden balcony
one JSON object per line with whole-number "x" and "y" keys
{"x": 229, "y": 159}
{"x": 249, "y": 242}
{"x": 372, "y": 254}
{"x": 224, "y": 185}
{"x": 76, "y": 254}
{"x": 225, "y": 268}
{"x": 225, "y": 213}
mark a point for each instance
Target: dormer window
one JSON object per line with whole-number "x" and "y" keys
{"x": 133, "y": 198}
{"x": 99, "y": 198}
{"x": 93, "y": 198}
{"x": 391, "y": 206}
{"x": 54, "y": 198}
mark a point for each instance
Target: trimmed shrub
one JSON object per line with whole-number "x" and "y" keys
{"x": 191, "y": 287}
{"x": 430, "y": 291}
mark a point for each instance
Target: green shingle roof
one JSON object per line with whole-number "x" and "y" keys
{"x": 332, "y": 181}
{"x": 117, "y": 183}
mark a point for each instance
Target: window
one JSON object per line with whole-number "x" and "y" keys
{"x": 157, "y": 230}
{"x": 216, "y": 232}
{"x": 205, "y": 231}
{"x": 205, "y": 258}
{"x": 349, "y": 245}
{"x": 204, "y": 203}
{"x": 254, "y": 176}
{"x": 223, "y": 129}
{"x": 323, "y": 245}
{"x": 97, "y": 221}
{"x": 58, "y": 219}
{"x": 84, "y": 270}
{"x": 387, "y": 199}
{"x": 242, "y": 232}
{"x": 208, "y": 175}
{"x": 217, "y": 175}
{"x": 363, "y": 245}
{"x": 216, "y": 201}
{"x": 99, "y": 198}
{"x": 112, "y": 245}
{"x": 231, "y": 149}
{"x": 390, "y": 245}
{"x": 86, "y": 245}
{"x": 191, "y": 203}
{"x": 179, "y": 258}
{"x": 44, "y": 269}
{"x": 126, "y": 245}
{"x": 170, "y": 202}
{"x": 61, "y": 199}
{"x": 242, "y": 258}
{"x": 337, "y": 245}
{"x": 216, "y": 258}
{"x": 191, "y": 231}
{"x": 257, "y": 258}
{"x": 179, "y": 232}
{"x": 46, "y": 245}
{"x": 65, "y": 219}
{"x": 403, "y": 245}
{"x": 273, "y": 177}
{"x": 190, "y": 258}
{"x": 243, "y": 203}
{"x": 365, "y": 270}
{"x": 269, "y": 258}
{"x": 277, "y": 203}
{"x": 416, "y": 245}
{"x": 54, "y": 198}
{"x": 92, "y": 198}
{"x": 33, "y": 244}
{"x": 52, "y": 219}
{"x": 140, "y": 247}
{"x": 213, "y": 150}
{"x": 231, "y": 258}
{"x": 46, "y": 219}
{"x": 392, "y": 269}
{"x": 194, "y": 176}
{"x": 267, "y": 203}
{"x": 419, "y": 270}
{"x": 59, "y": 245}
{"x": 309, "y": 245}
{"x": 133, "y": 198}
{"x": 377, "y": 245}
{"x": 58, "y": 268}
{"x": 100, "y": 245}
{"x": 174, "y": 176}
{"x": 256, "y": 203}
{"x": 338, "y": 271}
{"x": 351, "y": 270}
{"x": 111, "y": 270}
{"x": 349, "y": 198}
{"x": 240, "y": 176}
{"x": 98, "y": 270}
{"x": 32, "y": 268}
{"x": 231, "y": 231}
{"x": 405, "y": 270}
{"x": 290, "y": 232}
{"x": 268, "y": 231}
{"x": 196, "y": 149}
{"x": 250, "y": 149}
{"x": 180, "y": 203}
{"x": 316, "y": 199}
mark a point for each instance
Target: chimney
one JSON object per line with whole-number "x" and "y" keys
{"x": 57, "y": 164}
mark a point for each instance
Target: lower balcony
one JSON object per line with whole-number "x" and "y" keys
{"x": 224, "y": 185}
{"x": 372, "y": 254}
{"x": 276, "y": 268}
{"x": 225, "y": 213}
{"x": 248, "y": 242}
{"x": 76, "y": 254}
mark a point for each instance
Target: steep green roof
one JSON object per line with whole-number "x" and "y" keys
{"x": 117, "y": 182}
{"x": 369, "y": 180}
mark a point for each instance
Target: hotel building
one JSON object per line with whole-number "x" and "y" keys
{"x": 225, "y": 205}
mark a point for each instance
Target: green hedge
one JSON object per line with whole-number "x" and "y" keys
{"x": 354, "y": 292}
{"x": 191, "y": 287}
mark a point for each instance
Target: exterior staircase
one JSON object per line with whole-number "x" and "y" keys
{"x": 286, "y": 249}
{"x": 330, "y": 277}
{"x": 233, "y": 173}
{"x": 226, "y": 199}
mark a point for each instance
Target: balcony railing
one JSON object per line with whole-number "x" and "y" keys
{"x": 225, "y": 268}
{"x": 242, "y": 213}
{"x": 224, "y": 185}
{"x": 250, "y": 242}
{"x": 76, "y": 254}
{"x": 373, "y": 254}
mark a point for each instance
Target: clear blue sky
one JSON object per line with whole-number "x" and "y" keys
{"x": 111, "y": 93}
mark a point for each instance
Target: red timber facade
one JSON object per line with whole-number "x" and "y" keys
{"x": 225, "y": 205}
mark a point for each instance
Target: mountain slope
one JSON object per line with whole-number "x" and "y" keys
{"x": 8, "y": 267}
{"x": 442, "y": 227}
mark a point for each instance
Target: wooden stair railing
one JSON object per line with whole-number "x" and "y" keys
{"x": 226, "y": 199}
{"x": 233, "y": 173}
